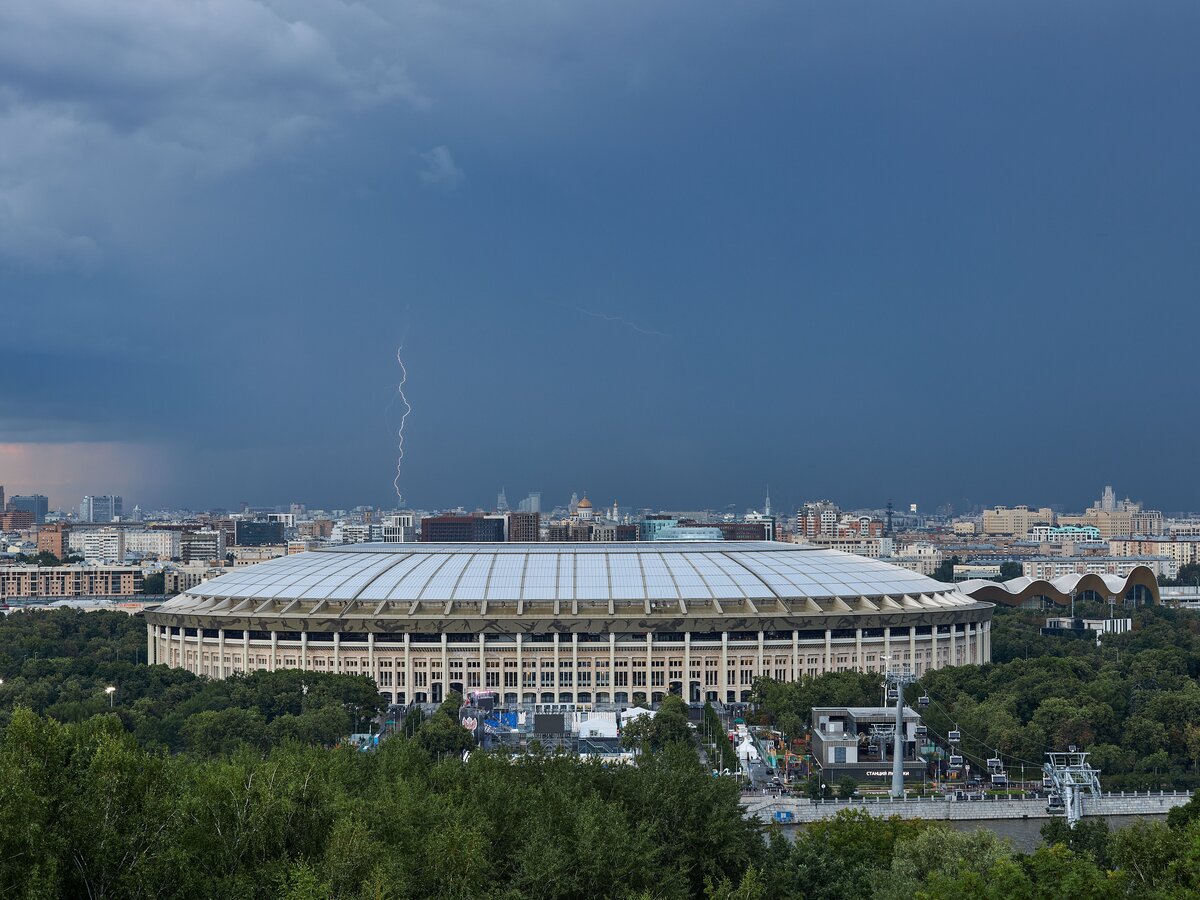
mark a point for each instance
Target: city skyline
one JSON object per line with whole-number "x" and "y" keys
{"x": 872, "y": 262}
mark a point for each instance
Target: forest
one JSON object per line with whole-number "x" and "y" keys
{"x": 188, "y": 787}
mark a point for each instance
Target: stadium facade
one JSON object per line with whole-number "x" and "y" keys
{"x": 570, "y": 623}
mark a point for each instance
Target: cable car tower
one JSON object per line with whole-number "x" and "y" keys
{"x": 896, "y": 679}
{"x": 1072, "y": 776}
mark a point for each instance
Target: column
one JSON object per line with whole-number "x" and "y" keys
{"x": 887, "y": 642}
{"x": 220, "y": 652}
{"x": 520, "y": 671}
{"x": 912, "y": 646}
{"x": 796, "y": 667}
{"x": 687, "y": 667}
{"x": 933, "y": 650}
{"x": 371, "y": 662}
{"x": 271, "y": 666}
{"x": 246, "y": 650}
{"x": 556, "y": 676}
{"x": 150, "y": 636}
{"x": 199, "y": 650}
{"x": 612, "y": 667}
{"x": 724, "y": 679}
{"x": 337, "y": 655}
{"x": 410, "y": 690}
{"x": 761, "y": 663}
{"x": 575, "y": 666}
{"x": 303, "y": 651}
{"x": 182, "y": 650}
{"x": 649, "y": 667}
{"x": 828, "y": 650}
{"x": 445, "y": 669}
{"x": 858, "y": 654}
{"x": 483, "y": 670}
{"x": 953, "y": 643}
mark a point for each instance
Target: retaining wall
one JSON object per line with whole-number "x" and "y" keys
{"x": 1110, "y": 804}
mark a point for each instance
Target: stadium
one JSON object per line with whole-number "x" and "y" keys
{"x": 585, "y": 623}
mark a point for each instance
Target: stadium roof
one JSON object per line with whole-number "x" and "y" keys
{"x": 571, "y": 571}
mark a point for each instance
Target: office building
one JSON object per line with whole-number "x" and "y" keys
{"x": 106, "y": 508}
{"x": 104, "y": 546}
{"x": 473, "y": 528}
{"x": 524, "y": 527}
{"x": 38, "y": 504}
{"x": 248, "y": 533}
{"x": 29, "y": 582}
{"x": 202, "y": 546}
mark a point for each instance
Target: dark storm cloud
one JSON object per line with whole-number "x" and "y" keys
{"x": 889, "y": 244}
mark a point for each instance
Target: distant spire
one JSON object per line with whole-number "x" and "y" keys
{"x": 767, "y": 505}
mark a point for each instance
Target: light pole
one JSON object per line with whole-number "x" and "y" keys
{"x": 110, "y": 690}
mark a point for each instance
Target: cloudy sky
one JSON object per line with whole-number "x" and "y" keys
{"x": 664, "y": 252}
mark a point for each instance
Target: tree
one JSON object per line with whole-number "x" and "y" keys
{"x": 1010, "y": 570}
{"x": 816, "y": 789}
{"x": 154, "y": 583}
{"x": 945, "y": 570}
{"x": 847, "y": 787}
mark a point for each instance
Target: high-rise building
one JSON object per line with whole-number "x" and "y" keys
{"x": 2, "y": 497}
{"x": 473, "y": 528}
{"x": 532, "y": 503}
{"x": 104, "y": 546}
{"x": 247, "y": 533}
{"x": 37, "y": 504}
{"x": 53, "y": 539}
{"x": 16, "y": 520}
{"x": 202, "y": 546}
{"x": 501, "y": 502}
{"x": 523, "y": 526}
{"x": 106, "y": 508}
{"x": 399, "y": 529}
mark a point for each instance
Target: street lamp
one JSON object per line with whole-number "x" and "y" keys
{"x": 110, "y": 690}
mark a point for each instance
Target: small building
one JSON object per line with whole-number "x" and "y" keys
{"x": 857, "y": 741}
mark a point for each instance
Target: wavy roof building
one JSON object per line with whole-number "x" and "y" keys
{"x": 1139, "y": 586}
{"x": 577, "y": 622}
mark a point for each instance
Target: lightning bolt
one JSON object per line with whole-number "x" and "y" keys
{"x": 403, "y": 417}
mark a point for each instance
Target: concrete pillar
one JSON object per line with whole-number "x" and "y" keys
{"x": 859, "y": 662}
{"x": 150, "y": 640}
{"x": 612, "y": 667}
{"x": 650, "y": 667}
{"x": 796, "y": 667}
{"x": 483, "y": 669}
{"x": 445, "y": 668}
{"x": 520, "y": 670}
{"x": 761, "y": 660}
{"x": 887, "y": 641}
{"x": 337, "y": 652}
{"x": 912, "y": 646}
{"x": 724, "y": 679}
{"x": 182, "y": 649}
{"x": 557, "y": 677}
{"x": 220, "y": 652}
{"x": 828, "y": 650}
{"x": 409, "y": 687}
{"x": 303, "y": 649}
{"x": 245, "y": 649}
{"x": 575, "y": 665}
{"x": 933, "y": 648}
{"x": 979, "y": 658}
{"x": 953, "y": 644}
{"x": 687, "y": 667}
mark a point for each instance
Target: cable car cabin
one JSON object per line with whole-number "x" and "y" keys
{"x": 923, "y": 701}
{"x": 892, "y": 695}
{"x": 1054, "y": 802}
{"x": 920, "y": 731}
{"x": 994, "y": 763}
{"x": 1047, "y": 783}
{"x": 956, "y": 761}
{"x": 999, "y": 779}
{"x": 954, "y": 736}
